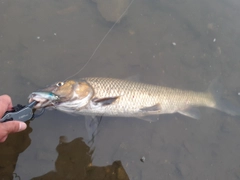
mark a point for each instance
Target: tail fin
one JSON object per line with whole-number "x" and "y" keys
{"x": 222, "y": 103}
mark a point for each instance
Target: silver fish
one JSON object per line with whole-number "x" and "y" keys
{"x": 115, "y": 97}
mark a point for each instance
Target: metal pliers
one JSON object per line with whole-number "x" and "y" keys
{"x": 21, "y": 113}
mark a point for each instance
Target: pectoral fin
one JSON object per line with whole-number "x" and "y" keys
{"x": 192, "y": 112}
{"x": 105, "y": 101}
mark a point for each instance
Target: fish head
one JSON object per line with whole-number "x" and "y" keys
{"x": 67, "y": 95}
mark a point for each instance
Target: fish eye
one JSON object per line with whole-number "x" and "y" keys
{"x": 60, "y": 84}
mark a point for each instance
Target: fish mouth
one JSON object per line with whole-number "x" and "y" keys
{"x": 44, "y": 99}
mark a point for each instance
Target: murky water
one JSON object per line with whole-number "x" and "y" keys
{"x": 176, "y": 43}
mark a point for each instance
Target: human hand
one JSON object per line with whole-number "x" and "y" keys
{"x": 10, "y": 126}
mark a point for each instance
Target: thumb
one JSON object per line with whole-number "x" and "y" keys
{"x": 13, "y": 126}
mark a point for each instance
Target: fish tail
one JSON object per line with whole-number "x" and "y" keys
{"x": 220, "y": 102}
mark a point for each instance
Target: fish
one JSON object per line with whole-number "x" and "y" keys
{"x": 96, "y": 96}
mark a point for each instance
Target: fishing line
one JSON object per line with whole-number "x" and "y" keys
{"x": 101, "y": 42}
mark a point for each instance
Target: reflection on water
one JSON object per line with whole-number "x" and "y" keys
{"x": 177, "y": 43}
{"x": 74, "y": 162}
{"x": 10, "y": 150}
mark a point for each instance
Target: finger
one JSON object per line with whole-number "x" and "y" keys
{"x": 5, "y": 104}
{"x": 13, "y": 126}
{"x": 2, "y": 139}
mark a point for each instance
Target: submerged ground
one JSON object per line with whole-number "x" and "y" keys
{"x": 177, "y": 43}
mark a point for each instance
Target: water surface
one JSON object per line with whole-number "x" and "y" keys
{"x": 176, "y": 43}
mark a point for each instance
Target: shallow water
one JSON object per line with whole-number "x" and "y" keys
{"x": 177, "y": 43}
